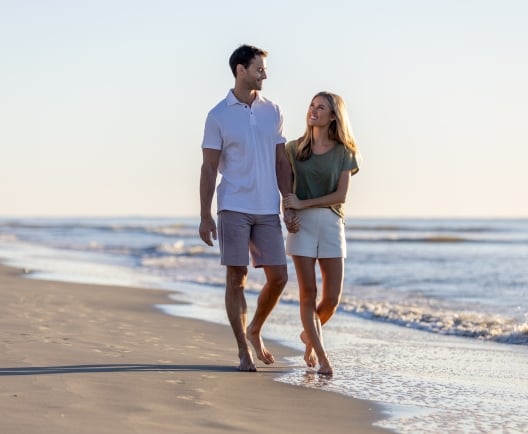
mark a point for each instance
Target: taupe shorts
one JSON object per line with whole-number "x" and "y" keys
{"x": 321, "y": 235}
{"x": 240, "y": 234}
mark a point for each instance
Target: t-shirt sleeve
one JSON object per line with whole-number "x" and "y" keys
{"x": 350, "y": 163}
{"x": 281, "y": 138}
{"x": 212, "y": 138}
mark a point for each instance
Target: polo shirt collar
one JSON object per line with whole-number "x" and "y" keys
{"x": 231, "y": 99}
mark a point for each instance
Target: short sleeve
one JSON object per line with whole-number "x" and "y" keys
{"x": 212, "y": 138}
{"x": 280, "y": 128}
{"x": 350, "y": 163}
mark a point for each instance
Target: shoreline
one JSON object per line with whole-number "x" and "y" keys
{"x": 97, "y": 358}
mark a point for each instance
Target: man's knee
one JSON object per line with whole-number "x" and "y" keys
{"x": 236, "y": 276}
{"x": 278, "y": 276}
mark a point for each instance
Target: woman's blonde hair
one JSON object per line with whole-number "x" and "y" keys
{"x": 339, "y": 129}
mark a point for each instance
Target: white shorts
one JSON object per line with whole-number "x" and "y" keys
{"x": 321, "y": 235}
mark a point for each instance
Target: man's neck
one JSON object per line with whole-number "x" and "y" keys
{"x": 245, "y": 96}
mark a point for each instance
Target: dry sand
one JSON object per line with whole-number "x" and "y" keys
{"x": 96, "y": 359}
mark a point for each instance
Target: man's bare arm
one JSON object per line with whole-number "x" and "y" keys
{"x": 208, "y": 174}
{"x": 285, "y": 183}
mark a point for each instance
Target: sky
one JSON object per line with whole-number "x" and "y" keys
{"x": 103, "y": 103}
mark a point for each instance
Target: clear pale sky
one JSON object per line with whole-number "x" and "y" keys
{"x": 102, "y": 103}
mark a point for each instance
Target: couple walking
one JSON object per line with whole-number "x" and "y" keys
{"x": 244, "y": 142}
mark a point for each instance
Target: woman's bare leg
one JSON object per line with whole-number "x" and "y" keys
{"x": 305, "y": 268}
{"x": 332, "y": 270}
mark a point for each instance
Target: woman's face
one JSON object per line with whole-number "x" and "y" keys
{"x": 320, "y": 113}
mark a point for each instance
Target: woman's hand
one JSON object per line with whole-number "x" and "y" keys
{"x": 292, "y": 201}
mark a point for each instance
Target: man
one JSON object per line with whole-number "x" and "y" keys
{"x": 243, "y": 140}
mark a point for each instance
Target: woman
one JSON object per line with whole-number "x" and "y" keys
{"x": 323, "y": 160}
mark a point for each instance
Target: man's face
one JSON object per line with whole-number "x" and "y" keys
{"x": 255, "y": 73}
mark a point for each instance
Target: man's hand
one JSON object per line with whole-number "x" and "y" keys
{"x": 207, "y": 229}
{"x": 291, "y": 220}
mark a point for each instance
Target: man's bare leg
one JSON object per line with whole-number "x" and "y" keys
{"x": 276, "y": 278}
{"x": 236, "y": 308}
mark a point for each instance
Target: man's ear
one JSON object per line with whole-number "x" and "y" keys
{"x": 240, "y": 69}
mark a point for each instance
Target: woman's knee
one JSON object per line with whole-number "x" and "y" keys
{"x": 308, "y": 303}
{"x": 308, "y": 295}
{"x": 329, "y": 303}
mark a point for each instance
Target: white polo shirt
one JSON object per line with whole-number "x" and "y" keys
{"x": 248, "y": 138}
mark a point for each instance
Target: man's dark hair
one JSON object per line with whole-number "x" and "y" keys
{"x": 243, "y": 55}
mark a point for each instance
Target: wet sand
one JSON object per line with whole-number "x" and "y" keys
{"x": 82, "y": 358}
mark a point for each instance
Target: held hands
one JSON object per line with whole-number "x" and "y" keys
{"x": 207, "y": 228}
{"x": 292, "y": 201}
{"x": 291, "y": 220}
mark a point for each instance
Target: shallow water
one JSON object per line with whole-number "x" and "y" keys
{"x": 429, "y": 383}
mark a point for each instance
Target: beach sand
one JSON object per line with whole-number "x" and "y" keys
{"x": 79, "y": 358}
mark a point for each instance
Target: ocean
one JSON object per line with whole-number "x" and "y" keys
{"x": 432, "y": 325}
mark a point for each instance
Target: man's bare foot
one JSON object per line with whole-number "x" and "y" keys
{"x": 309, "y": 354}
{"x": 246, "y": 362}
{"x": 262, "y": 353}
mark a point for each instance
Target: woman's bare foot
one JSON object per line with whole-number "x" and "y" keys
{"x": 246, "y": 362}
{"x": 324, "y": 367}
{"x": 309, "y": 353}
{"x": 256, "y": 340}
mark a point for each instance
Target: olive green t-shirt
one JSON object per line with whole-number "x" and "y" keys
{"x": 319, "y": 175}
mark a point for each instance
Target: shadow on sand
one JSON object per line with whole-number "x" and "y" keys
{"x": 126, "y": 367}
